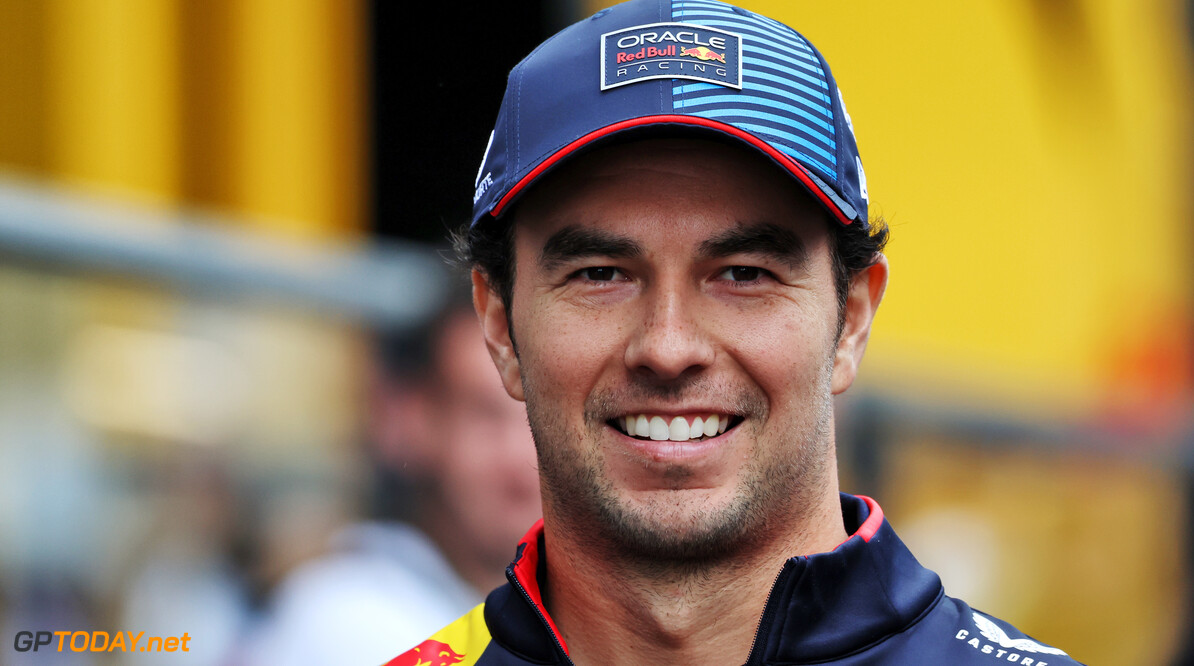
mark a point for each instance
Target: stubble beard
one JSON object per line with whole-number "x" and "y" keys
{"x": 672, "y": 530}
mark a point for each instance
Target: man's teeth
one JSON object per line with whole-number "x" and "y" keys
{"x": 642, "y": 428}
{"x": 678, "y": 430}
{"x": 659, "y": 429}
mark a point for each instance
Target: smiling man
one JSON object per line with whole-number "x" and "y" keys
{"x": 674, "y": 269}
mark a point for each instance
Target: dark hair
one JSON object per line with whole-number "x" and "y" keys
{"x": 854, "y": 248}
{"x": 489, "y": 247}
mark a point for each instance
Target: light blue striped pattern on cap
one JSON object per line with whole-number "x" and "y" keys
{"x": 784, "y": 98}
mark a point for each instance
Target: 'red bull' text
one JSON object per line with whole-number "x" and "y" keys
{"x": 647, "y": 52}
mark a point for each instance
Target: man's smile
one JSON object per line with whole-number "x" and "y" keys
{"x": 696, "y": 426}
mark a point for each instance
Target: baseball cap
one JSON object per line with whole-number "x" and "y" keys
{"x": 648, "y": 67}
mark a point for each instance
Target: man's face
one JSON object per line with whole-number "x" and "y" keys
{"x": 662, "y": 285}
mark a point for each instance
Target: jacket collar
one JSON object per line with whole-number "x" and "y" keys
{"x": 821, "y": 606}
{"x": 831, "y": 604}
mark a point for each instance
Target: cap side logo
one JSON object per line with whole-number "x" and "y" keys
{"x": 480, "y": 185}
{"x": 671, "y": 51}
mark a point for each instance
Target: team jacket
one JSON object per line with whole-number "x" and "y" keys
{"x": 868, "y": 601}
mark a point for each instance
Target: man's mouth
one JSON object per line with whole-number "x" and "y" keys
{"x": 689, "y": 427}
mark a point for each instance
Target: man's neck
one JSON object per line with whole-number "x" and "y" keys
{"x": 619, "y": 611}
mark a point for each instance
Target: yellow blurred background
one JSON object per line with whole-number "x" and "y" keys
{"x": 180, "y": 396}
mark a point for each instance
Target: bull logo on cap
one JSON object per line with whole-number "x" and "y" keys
{"x": 703, "y": 53}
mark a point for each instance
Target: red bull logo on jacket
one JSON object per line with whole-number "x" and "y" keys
{"x": 461, "y": 643}
{"x": 429, "y": 653}
{"x": 671, "y": 51}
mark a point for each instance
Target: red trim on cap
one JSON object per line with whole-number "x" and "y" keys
{"x": 526, "y": 570}
{"x": 794, "y": 168}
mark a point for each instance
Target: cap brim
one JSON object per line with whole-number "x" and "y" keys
{"x": 810, "y": 182}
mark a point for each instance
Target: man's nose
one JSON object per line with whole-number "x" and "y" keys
{"x": 671, "y": 339}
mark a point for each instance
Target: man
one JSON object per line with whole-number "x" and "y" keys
{"x": 673, "y": 268}
{"x": 440, "y": 420}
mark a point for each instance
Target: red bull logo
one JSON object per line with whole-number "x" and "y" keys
{"x": 703, "y": 53}
{"x": 428, "y": 653}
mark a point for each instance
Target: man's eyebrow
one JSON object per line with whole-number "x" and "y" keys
{"x": 575, "y": 242}
{"x": 766, "y": 239}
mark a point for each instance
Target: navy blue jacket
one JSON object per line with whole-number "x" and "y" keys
{"x": 868, "y": 601}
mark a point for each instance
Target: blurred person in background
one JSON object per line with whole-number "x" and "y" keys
{"x": 190, "y": 553}
{"x": 456, "y": 484}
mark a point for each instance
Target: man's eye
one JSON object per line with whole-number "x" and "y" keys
{"x": 601, "y": 273}
{"x": 742, "y": 273}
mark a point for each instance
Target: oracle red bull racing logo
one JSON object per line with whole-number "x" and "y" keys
{"x": 429, "y": 653}
{"x": 671, "y": 51}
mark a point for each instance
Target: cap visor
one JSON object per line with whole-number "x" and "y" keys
{"x": 796, "y": 169}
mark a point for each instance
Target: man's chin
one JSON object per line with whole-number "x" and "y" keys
{"x": 677, "y": 526}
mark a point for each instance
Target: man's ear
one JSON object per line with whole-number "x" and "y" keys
{"x": 862, "y": 300}
{"x": 496, "y": 329}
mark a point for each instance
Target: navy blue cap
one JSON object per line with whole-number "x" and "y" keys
{"x": 695, "y": 65}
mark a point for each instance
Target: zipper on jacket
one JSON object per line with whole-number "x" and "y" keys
{"x": 542, "y": 618}
{"x": 767, "y": 615}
